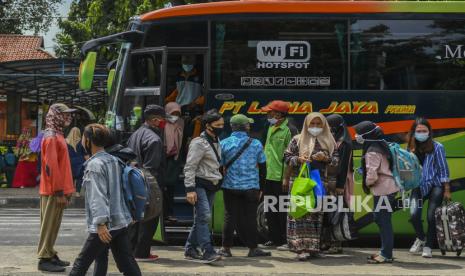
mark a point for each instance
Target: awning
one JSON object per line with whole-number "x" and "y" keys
{"x": 52, "y": 80}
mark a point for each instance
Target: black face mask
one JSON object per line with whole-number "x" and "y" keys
{"x": 217, "y": 130}
{"x": 88, "y": 147}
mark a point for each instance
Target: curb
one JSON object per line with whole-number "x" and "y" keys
{"x": 34, "y": 202}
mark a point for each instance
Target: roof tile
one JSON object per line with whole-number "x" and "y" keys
{"x": 22, "y": 47}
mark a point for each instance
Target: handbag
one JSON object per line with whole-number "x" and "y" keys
{"x": 319, "y": 189}
{"x": 302, "y": 196}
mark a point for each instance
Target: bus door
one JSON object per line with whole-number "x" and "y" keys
{"x": 186, "y": 79}
{"x": 145, "y": 80}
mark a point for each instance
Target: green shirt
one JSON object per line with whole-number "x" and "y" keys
{"x": 277, "y": 140}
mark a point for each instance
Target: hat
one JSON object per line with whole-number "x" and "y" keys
{"x": 240, "y": 119}
{"x": 62, "y": 108}
{"x": 280, "y": 106}
{"x": 154, "y": 110}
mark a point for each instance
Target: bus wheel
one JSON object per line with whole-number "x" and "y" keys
{"x": 262, "y": 225}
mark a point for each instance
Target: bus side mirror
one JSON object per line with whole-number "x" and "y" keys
{"x": 111, "y": 77}
{"x": 86, "y": 71}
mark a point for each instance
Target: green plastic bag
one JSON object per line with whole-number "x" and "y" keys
{"x": 302, "y": 196}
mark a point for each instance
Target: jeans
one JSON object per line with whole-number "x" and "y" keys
{"x": 95, "y": 249}
{"x": 434, "y": 198}
{"x": 277, "y": 221}
{"x": 240, "y": 214}
{"x": 382, "y": 218}
{"x": 200, "y": 234}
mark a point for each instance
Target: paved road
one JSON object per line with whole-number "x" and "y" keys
{"x": 21, "y": 227}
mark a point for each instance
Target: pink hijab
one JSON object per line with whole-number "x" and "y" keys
{"x": 173, "y": 131}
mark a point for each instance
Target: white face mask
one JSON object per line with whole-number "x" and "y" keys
{"x": 187, "y": 67}
{"x": 272, "y": 121}
{"x": 172, "y": 118}
{"x": 359, "y": 139}
{"x": 315, "y": 131}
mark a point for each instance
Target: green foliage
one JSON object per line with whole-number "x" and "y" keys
{"x": 17, "y": 16}
{"x": 88, "y": 19}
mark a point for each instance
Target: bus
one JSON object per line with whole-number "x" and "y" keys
{"x": 388, "y": 62}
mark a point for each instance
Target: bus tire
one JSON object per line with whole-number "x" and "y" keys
{"x": 262, "y": 226}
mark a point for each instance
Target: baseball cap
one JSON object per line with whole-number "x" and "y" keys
{"x": 62, "y": 108}
{"x": 154, "y": 110}
{"x": 280, "y": 106}
{"x": 241, "y": 119}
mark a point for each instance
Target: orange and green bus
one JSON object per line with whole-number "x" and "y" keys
{"x": 384, "y": 61}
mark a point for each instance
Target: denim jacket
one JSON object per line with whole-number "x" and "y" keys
{"x": 104, "y": 196}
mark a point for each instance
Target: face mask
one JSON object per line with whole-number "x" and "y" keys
{"x": 217, "y": 131}
{"x": 272, "y": 121}
{"x": 187, "y": 67}
{"x": 421, "y": 136}
{"x": 359, "y": 139}
{"x": 173, "y": 118}
{"x": 161, "y": 124}
{"x": 315, "y": 131}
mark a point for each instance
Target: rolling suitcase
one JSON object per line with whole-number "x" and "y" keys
{"x": 450, "y": 227}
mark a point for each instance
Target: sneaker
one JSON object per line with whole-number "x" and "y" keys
{"x": 49, "y": 266}
{"x": 417, "y": 246}
{"x": 192, "y": 254}
{"x": 427, "y": 252}
{"x": 225, "y": 252}
{"x": 150, "y": 258}
{"x": 210, "y": 257}
{"x": 284, "y": 247}
{"x": 57, "y": 261}
{"x": 256, "y": 252}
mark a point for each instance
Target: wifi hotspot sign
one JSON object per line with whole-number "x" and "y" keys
{"x": 283, "y": 54}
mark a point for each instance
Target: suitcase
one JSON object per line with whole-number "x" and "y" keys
{"x": 450, "y": 227}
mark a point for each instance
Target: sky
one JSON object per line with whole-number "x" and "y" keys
{"x": 50, "y": 35}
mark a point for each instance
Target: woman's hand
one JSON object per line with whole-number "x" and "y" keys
{"x": 339, "y": 191}
{"x": 303, "y": 159}
{"x": 319, "y": 156}
{"x": 285, "y": 185}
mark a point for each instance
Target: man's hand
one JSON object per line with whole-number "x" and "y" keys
{"x": 104, "y": 234}
{"x": 285, "y": 185}
{"x": 62, "y": 201}
{"x": 447, "y": 194}
{"x": 191, "y": 197}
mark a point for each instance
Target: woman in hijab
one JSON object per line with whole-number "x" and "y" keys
{"x": 315, "y": 145}
{"x": 77, "y": 157}
{"x": 340, "y": 177}
{"x": 173, "y": 143}
{"x": 378, "y": 179}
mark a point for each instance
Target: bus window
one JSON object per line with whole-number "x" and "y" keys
{"x": 192, "y": 34}
{"x": 277, "y": 54}
{"x": 143, "y": 87}
{"x": 407, "y": 54}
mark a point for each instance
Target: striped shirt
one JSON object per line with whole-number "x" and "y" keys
{"x": 435, "y": 169}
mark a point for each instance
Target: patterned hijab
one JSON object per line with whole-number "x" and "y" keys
{"x": 55, "y": 120}
{"x": 307, "y": 141}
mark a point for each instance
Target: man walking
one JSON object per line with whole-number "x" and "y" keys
{"x": 147, "y": 144}
{"x": 243, "y": 159}
{"x": 202, "y": 181}
{"x": 56, "y": 185}
{"x": 278, "y": 137}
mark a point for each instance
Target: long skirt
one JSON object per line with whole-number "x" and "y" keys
{"x": 303, "y": 234}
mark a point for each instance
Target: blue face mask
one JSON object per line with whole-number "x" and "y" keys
{"x": 421, "y": 136}
{"x": 187, "y": 67}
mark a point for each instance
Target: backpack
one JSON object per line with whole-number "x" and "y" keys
{"x": 406, "y": 168}
{"x": 10, "y": 159}
{"x": 135, "y": 191}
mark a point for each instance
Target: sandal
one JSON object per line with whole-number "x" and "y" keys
{"x": 379, "y": 260}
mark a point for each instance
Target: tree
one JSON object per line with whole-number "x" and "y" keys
{"x": 17, "y": 16}
{"x": 88, "y": 19}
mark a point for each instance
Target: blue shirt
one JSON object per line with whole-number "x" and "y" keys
{"x": 243, "y": 173}
{"x": 435, "y": 169}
